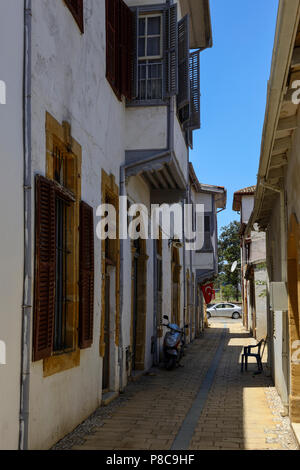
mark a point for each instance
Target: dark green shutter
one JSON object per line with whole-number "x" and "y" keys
{"x": 194, "y": 122}
{"x": 170, "y": 51}
{"x": 183, "y": 97}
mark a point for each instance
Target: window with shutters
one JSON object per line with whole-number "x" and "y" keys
{"x": 150, "y": 57}
{"x": 59, "y": 317}
{"x": 62, "y": 234}
{"x": 155, "y": 72}
{"x": 76, "y": 8}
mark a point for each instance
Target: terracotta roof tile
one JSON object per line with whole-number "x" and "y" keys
{"x": 249, "y": 191}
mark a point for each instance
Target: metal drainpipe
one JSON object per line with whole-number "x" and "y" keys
{"x": 191, "y": 276}
{"x": 156, "y": 349}
{"x": 121, "y": 352}
{"x": 184, "y": 273}
{"x": 27, "y": 277}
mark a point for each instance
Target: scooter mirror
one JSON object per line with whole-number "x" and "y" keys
{"x": 186, "y": 326}
{"x": 166, "y": 317}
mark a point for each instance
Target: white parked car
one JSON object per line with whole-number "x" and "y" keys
{"x": 225, "y": 310}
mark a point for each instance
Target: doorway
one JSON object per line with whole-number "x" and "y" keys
{"x": 176, "y": 269}
{"x": 110, "y": 293}
{"x": 105, "y": 370}
{"x": 139, "y": 304}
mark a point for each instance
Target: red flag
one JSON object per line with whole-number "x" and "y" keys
{"x": 207, "y": 292}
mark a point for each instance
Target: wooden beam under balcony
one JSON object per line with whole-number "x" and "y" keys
{"x": 281, "y": 145}
{"x": 287, "y": 124}
{"x": 278, "y": 161}
{"x": 296, "y": 58}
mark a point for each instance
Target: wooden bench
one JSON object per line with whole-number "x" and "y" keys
{"x": 258, "y": 355}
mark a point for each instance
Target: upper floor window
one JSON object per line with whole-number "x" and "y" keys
{"x": 150, "y": 37}
{"x": 150, "y": 53}
{"x": 76, "y": 8}
{"x": 149, "y": 59}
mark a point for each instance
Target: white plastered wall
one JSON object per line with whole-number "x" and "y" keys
{"x": 11, "y": 212}
{"x": 68, "y": 80}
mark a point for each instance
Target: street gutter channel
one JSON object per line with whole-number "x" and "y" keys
{"x": 183, "y": 439}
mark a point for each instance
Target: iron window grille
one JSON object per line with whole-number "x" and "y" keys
{"x": 150, "y": 78}
{"x": 60, "y": 318}
{"x": 62, "y": 217}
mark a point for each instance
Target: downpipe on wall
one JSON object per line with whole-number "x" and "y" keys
{"x": 121, "y": 352}
{"x": 27, "y": 275}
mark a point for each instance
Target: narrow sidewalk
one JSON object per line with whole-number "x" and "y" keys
{"x": 207, "y": 404}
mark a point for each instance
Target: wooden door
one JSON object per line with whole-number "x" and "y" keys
{"x": 105, "y": 380}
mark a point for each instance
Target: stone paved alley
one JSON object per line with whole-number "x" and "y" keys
{"x": 207, "y": 404}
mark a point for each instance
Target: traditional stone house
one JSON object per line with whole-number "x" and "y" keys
{"x": 111, "y": 99}
{"x": 277, "y": 208}
{"x": 253, "y": 266}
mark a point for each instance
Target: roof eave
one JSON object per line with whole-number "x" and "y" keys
{"x": 286, "y": 30}
{"x": 201, "y": 27}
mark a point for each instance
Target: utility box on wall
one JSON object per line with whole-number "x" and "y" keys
{"x": 278, "y": 296}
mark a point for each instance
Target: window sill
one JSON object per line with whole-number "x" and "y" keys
{"x": 60, "y": 363}
{"x": 133, "y": 104}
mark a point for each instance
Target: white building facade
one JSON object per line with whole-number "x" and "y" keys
{"x": 254, "y": 275}
{"x": 107, "y": 113}
{"x": 213, "y": 200}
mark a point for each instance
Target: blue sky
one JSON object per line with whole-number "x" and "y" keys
{"x": 234, "y": 77}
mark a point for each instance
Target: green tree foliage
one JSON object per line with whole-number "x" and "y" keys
{"x": 228, "y": 292}
{"x": 229, "y": 251}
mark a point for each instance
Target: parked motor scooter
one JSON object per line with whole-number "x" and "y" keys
{"x": 174, "y": 343}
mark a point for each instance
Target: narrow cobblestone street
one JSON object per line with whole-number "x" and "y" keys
{"x": 207, "y": 404}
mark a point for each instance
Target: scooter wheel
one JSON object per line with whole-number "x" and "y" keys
{"x": 171, "y": 363}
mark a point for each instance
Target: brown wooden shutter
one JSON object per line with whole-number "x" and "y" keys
{"x": 76, "y": 8}
{"x": 86, "y": 276}
{"x": 112, "y": 8}
{"x": 45, "y": 255}
{"x": 127, "y": 20}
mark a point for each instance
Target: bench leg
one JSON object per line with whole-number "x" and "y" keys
{"x": 246, "y": 362}
{"x": 242, "y": 364}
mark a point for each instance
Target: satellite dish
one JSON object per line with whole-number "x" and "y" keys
{"x": 234, "y": 266}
